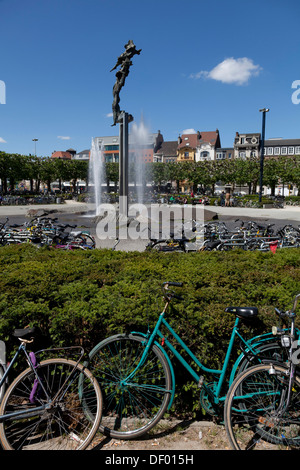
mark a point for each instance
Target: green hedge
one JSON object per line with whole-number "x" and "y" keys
{"x": 82, "y": 297}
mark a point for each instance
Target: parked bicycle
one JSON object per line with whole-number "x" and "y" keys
{"x": 262, "y": 406}
{"x": 216, "y": 236}
{"x": 55, "y": 404}
{"x": 45, "y": 231}
{"x": 137, "y": 377}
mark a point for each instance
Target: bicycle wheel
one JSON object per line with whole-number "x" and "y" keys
{"x": 63, "y": 413}
{"x": 131, "y": 407}
{"x": 271, "y": 352}
{"x": 2, "y": 389}
{"x": 255, "y": 413}
{"x": 86, "y": 241}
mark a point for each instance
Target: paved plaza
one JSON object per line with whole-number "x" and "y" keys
{"x": 82, "y": 215}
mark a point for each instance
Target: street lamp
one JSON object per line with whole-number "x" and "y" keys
{"x": 262, "y": 150}
{"x": 35, "y": 141}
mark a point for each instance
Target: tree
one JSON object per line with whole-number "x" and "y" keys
{"x": 157, "y": 173}
{"x": 246, "y": 172}
{"x": 49, "y": 171}
{"x": 11, "y": 170}
{"x": 111, "y": 173}
{"x": 76, "y": 170}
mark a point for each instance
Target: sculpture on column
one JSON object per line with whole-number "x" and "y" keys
{"x": 124, "y": 61}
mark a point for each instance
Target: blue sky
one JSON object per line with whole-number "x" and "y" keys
{"x": 203, "y": 65}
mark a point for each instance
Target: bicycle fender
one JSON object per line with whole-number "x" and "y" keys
{"x": 135, "y": 333}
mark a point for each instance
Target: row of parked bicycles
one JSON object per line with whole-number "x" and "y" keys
{"x": 217, "y": 236}
{"x": 126, "y": 385}
{"x": 46, "y": 231}
{"x": 19, "y": 200}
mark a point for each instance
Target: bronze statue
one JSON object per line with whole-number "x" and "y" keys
{"x": 125, "y": 62}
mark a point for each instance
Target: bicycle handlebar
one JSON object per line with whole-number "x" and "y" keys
{"x": 177, "y": 284}
{"x": 289, "y": 313}
{"x": 171, "y": 294}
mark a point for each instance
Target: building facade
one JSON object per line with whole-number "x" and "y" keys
{"x": 166, "y": 153}
{"x": 199, "y": 146}
{"x": 246, "y": 145}
{"x": 145, "y": 148}
{"x": 284, "y": 147}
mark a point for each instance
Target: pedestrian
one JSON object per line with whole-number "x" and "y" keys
{"x": 222, "y": 197}
{"x": 227, "y": 199}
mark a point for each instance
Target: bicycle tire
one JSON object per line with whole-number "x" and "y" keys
{"x": 2, "y": 389}
{"x": 86, "y": 241}
{"x": 269, "y": 352}
{"x": 70, "y": 424}
{"x": 130, "y": 409}
{"x": 252, "y": 410}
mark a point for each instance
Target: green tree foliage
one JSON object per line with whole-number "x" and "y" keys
{"x": 281, "y": 170}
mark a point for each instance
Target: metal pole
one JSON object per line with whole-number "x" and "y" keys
{"x": 123, "y": 165}
{"x": 262, "y": 151}
{"x": 35, "y": 141}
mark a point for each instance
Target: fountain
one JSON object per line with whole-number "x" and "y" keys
{"x": 139, "y": 139}
{"x": 96, "y": 174}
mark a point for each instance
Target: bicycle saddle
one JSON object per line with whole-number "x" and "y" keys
{"x": 24, "y": 332}
{"x": 243, "y": 312}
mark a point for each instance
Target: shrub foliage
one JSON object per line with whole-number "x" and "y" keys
{"x": 83, "y": 297}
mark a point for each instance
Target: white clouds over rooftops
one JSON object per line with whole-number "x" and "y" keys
{"x": 189, "y": 131}
{"x": 232, "y": 71}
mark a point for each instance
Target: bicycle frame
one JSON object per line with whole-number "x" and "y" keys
{"x": 31, "y": 359}
{"x": 150, "y": 339}
{"x": 19, "y": 414}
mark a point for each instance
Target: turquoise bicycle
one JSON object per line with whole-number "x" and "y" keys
{"x": 137, "y": 377}
{"x": 262, "y": 408}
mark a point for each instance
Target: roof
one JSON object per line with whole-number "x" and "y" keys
{"x": 168, "y": 149}
{"x": 194, "y": 140}
{"x": 64, "y": 155}
{"x": 282, "y": 142}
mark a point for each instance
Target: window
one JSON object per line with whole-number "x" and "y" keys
{"x": 242, "y": 155}
{"x": 111, "y": 147}
{"x": 277, "y": 151}
{"x": 270, "y": 150}
{"x": 221, "y": 155}
{"x": 242, "y": 140}
{"x": 291, "y": 150}
{"x": 283, "y": 150}
{"x": 297, "y": 150}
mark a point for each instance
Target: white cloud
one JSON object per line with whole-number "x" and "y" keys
{"x": 2, "y": 141}
{"x": 63, "y": 137}
{"x": 109, "y": 115}
{"x": 189, "y": 131}
{"x": 232, "y": 71}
